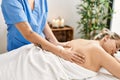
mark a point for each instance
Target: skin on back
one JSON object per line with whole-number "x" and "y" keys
{"x": 89, "y": 49}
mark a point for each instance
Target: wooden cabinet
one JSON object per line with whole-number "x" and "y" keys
{"x": 63, "y": 34}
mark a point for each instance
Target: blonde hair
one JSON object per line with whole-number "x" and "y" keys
{"x": 105, "y": 32}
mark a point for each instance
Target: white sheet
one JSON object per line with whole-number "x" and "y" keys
{"x": 32, "y": 63}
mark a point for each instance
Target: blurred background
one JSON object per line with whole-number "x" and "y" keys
{"x": 67, "y": 10}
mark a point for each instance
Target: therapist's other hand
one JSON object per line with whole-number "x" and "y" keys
{"x": 63, "y": 44}
{"x": 72, "y": 56}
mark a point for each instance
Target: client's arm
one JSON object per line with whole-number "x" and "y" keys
{"x": 110, "y": 63}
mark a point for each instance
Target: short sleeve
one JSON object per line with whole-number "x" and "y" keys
{"x": 13, "y": 11}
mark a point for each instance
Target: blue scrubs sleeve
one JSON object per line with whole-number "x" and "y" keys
{"x": 13, "y": 11}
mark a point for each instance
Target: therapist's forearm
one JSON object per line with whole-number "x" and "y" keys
{"x": 33, "y": 37}
{"x": 49, "y": 35}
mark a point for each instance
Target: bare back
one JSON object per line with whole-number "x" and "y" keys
{"x": 86, "y": 48}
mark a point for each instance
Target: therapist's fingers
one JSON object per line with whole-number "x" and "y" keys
{"x": 78, "y": 59}
{"x": 80, "y": 55}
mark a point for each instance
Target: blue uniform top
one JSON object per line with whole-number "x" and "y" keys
{"x": 15, "y": 11}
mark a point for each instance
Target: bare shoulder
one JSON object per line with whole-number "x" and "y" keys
{"x": 94, "y": 47}
{"x": 98, "y": 52}
{"x": 95, "y": 51}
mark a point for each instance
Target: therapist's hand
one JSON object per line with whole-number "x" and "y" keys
{"x": 72, "y": 56}
{"x": 62, "y": 43}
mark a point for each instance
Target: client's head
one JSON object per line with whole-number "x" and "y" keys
{"x": 110, "y": 41}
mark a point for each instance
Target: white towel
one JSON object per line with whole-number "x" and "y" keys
{"x": 32, "y": 63}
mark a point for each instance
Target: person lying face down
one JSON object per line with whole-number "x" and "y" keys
{"x": 99, "y": 52}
